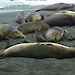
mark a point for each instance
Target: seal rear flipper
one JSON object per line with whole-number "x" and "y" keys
{"x": 1, "y": 55}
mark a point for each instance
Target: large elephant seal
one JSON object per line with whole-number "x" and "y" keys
{"x": 39, "y": 50}
{"x": 57, "y": 6}
{"x": 34, "y": 17}
{"x": 59, "y": 20}
{"x": 21, "y": 16}
{"x": 10, "y": 31}
{"x": 32, "y": 26}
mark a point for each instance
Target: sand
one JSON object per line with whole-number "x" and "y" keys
{"x": 31, "y": 66}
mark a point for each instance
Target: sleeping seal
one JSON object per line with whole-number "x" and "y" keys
{"x": 20, "y": 17}
{"x": 59, "y": 20}
{"x": 10, "y": 31}
{"x": 39, "y": 50}
{"x": 32, "y": 26}
{"x": 57, "y": 6}
{"x": 54, "y": 33}
{"x": 34, "y": 17}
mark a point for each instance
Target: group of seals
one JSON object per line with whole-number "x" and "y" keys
{"x": 24, "y": 17}
{"x": 52, "y": 34}
{"x": 39, "y": 50}
{"x": 45, "y": 49}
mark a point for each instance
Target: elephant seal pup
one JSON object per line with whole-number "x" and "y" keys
{"x": 10, "y": 31}
{"x": 54, "y": 33}
{"x": 34, "y": 17}
{"x": 39, "y": 50}
{"x": 56, "y": 6}
{"x": 59, "y": 20}
{"x": 20, "y": 17}
{"x": 32, "y": 26}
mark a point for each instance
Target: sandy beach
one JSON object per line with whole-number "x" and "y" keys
{"x": 31, "y": 66}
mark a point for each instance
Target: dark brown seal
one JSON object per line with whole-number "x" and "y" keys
{"x": 57, "y": 6}
{"x": 59, "y": 20}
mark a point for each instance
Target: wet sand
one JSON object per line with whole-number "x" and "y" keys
{"x": 31, "y": 66}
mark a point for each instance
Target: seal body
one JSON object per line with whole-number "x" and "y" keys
{"x": 54, "y": 33}
{"x": 10, "y": 31}
{"x": 39, "y": 50}
{"x": 20, "y": 17}
{"x": 57, "y": 6}
{"x": 59, "y": 20}
{"x": 34, "y": 17}
{"x": 32, "y": 26}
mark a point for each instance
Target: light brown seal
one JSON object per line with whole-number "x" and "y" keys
{"x": 34, "y": 17}
{"x": 54, "y": 33}
{"x": 57, "y": 6}
{"x": 39, "y": 50}
{"x": 21, "y": 16}
{"x": 10, "y": 31}
{"x": 32, "y": 26}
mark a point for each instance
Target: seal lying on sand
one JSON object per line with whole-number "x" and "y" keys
{"x": 34, "y": 17}
{"x": 59, "y": 20}
{"x": 20, "y": 18}
{"x": 32, "y": 26}
{"x": 57, "y": 6}
{"x": 39, "y": 50}
{"x": 10, "y": 31}
{"x": 54, "y": 33}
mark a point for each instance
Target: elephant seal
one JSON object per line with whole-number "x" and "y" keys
{"x": 59, "y": 20}
{"x": 34, "y": 17}
{"x": 10, "y": 31}
{"x": 32, "y": 26}
{"x": 39, "y": 50}
{"x": 20, "y": 17}
{"x": 57, "y": 6}
{"x": 54, "y": 33}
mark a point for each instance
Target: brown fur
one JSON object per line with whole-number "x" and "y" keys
{"x": 39, "y": 50}
{"x": 34, "y": 17}
{"x": 10, "y": 31}
{"x": 20, "y": 17}
{"x": 54, "y": 33}
{"x": 32, "y": 26}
